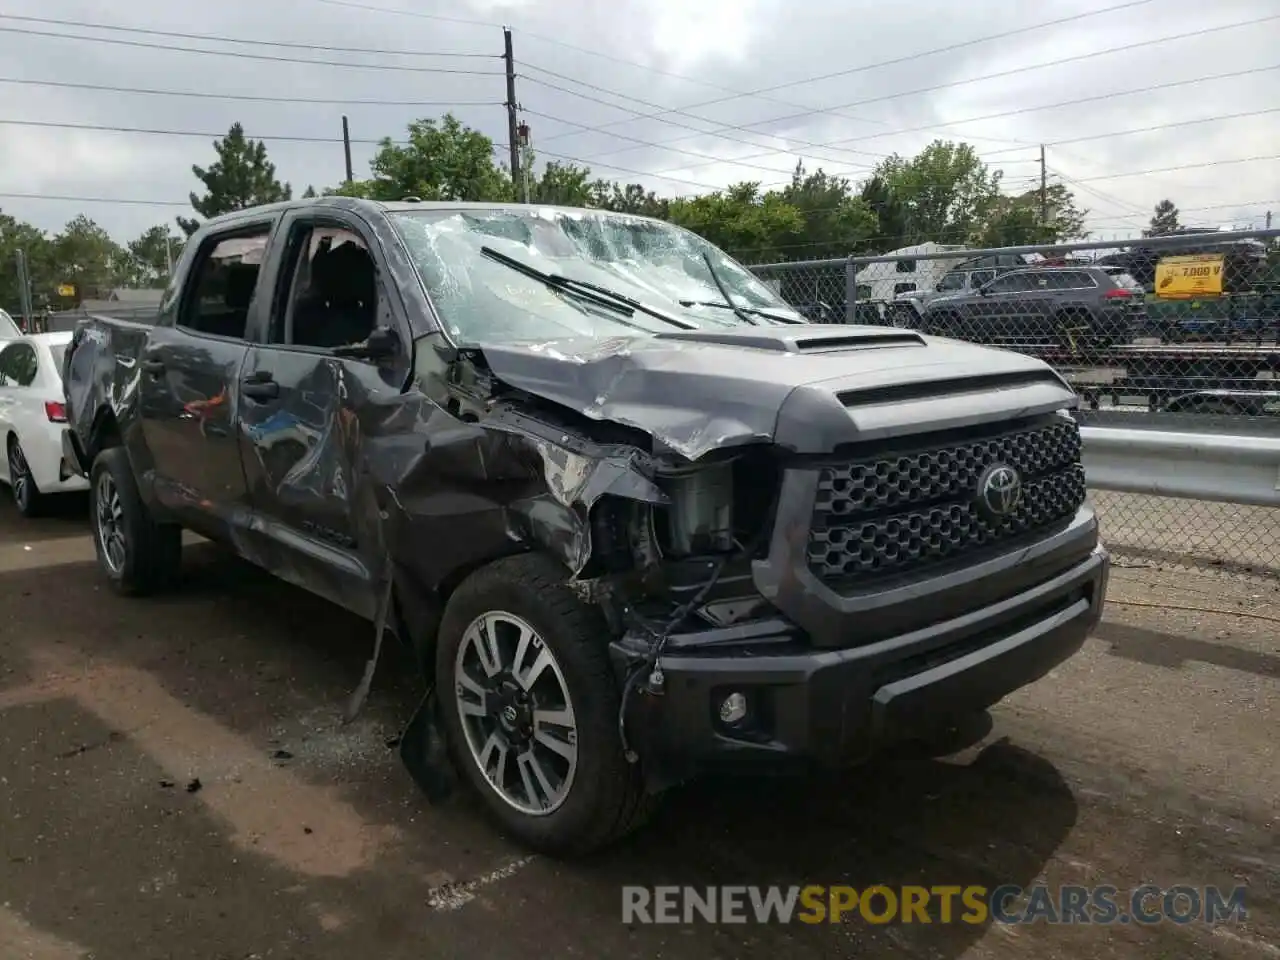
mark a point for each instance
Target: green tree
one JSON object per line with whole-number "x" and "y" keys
{"x": 150, "y": 255}
{"x": 1164, "y": 220}
{"x": 564, "y": 184}
{"x": 890, "y": 213}
{"x": 441, "y": 161}
{"x": 16, "y": 235}
{"x": 1013, "y": 221}
{"x": 946, "y": 191}
{"x": 631, "y": 198}
{"x": 741, "y": 220}
{"x": 356, "y": 188}
{"x": 84, "y": 255}
{"x": 836, "y": 222}
{"x": 241, "y": 177}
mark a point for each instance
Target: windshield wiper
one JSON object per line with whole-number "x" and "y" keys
{"x": 591, "y": 292}
{"x": 754, "y": 311}
{"x": 738, "y": 312}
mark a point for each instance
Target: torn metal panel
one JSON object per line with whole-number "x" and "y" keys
{"x": 696, "y": 392}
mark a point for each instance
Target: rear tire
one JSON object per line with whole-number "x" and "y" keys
{"x": 138, "y": 555}
{"x": 499, "y": 740}
{"x": 26, "y": 495}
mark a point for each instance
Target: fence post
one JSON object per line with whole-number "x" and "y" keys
{"x": 850, "y": 290}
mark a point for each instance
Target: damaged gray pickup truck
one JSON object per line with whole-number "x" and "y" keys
{"x": 637, "y": 520}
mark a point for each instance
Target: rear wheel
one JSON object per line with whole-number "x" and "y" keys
{"x": 530, "y": 705}
{"x": 137, "y": 554}
{"x": 26, "y": 495}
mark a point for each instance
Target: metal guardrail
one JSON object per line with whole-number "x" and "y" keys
{"x": 1197, "y": 466}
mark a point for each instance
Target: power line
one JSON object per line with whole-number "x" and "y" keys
{"x": 120, "y": 200}
{"x": 249, "y": 98}
{"x": 588, "y": 51}
{"x": 836, "y": 144}
{"x": 1171, "y": 125}
{"x": 720, "y": 136}
{"x": 89, "y": 25}
{"x": 992, "y": 116}
{"x": 905, "y": 59}
{"x": 1179, "y": 167}
{"x": 411, "y": 13}
{"x": 1100, "y": 194}
{"x": 689, "y": 153}
{"x": 156, "y": 131}
{"x": 1166, "y": 85}
{"x": 241, "y": 55}
{"x": 1165, "y": 126}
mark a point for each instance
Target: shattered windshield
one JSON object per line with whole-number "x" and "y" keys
{"x": 655, "y": 263}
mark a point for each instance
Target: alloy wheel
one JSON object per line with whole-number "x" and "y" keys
{"x": 19, "y": 476}
{"x": 109, "y": 522}
{"x": 516, "y": 713}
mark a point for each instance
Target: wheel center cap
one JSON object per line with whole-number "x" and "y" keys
{"x": 510, "y": 715}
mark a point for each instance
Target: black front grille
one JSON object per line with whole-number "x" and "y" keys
{"x": 896, "y": 514}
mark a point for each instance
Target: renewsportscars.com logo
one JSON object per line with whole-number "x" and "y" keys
{"x": 1009, "y": 904}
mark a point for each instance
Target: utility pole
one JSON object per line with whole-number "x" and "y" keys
{"x": 1044, "y": 189}
{"x": 513, "y": 123}
{"x": 24, "y": 291}
{"x": 346, "y": 146}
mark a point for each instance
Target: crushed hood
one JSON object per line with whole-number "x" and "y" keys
{"x": 806, "y": 388}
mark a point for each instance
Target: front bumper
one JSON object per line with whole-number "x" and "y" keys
{"x": 835, "y": 707}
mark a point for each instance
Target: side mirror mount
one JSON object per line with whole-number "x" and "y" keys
{"x": 383, "y": 343}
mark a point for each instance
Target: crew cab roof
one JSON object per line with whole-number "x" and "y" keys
{"x": 361, "y": 205}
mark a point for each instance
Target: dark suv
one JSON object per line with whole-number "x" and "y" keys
{"x": 1073, "y": 308}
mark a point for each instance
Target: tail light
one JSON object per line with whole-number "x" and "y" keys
{"x": 56, "y": 412}
{"x": 1118, "y": 294}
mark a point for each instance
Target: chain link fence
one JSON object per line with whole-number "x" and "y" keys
{"x": 1184, "y": 327}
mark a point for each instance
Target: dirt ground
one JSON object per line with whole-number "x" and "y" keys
{"x": 175, "y": 781}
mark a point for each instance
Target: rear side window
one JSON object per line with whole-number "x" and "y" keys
{"x": 222, "y": 284}
{"x": 58, "y": 352}
{"x": 18, "y": 365}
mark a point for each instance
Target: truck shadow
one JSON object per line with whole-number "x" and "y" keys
{"x": 253, "y": 655}
{"x": 62, "y": 516}
{"x": 905, "y": 820}
{"x": 1172, "y": 651}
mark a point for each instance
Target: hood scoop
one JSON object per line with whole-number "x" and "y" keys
{"x": 812, "y": 338}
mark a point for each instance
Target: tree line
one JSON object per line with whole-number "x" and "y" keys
{"x": 945, "y": 193}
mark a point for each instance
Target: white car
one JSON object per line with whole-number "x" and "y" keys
{"x": 8, "y": 329}
{"x": 32, "y": 419}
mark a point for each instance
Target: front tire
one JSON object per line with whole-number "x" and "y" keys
{"x": 26, "y": 495}
{"x": 530, "y": 706}
{"x": 138, "y": 555}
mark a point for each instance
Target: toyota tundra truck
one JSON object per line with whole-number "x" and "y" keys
{"x": 635, "y": 518}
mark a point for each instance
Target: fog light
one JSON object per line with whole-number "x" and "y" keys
{"x": 733, "y": 708}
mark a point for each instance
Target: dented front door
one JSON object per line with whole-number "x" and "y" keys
{"x": 301, "y": 426}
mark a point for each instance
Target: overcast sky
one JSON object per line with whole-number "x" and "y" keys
{"x": 836, "y": 83}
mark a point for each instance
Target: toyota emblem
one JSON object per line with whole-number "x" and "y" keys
{"x": 999, "y": 491}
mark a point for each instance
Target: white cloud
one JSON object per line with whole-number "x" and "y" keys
{"x": 682, "y": 56}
